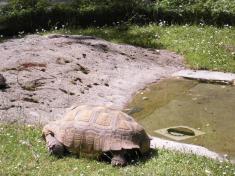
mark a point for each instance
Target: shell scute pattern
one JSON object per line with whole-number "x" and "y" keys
{"x": 98, "y": 129}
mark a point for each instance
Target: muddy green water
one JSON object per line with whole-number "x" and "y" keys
{"x": 209, "y": 108}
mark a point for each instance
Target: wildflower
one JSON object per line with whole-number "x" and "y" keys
{"x": 208, "y": 172}
{"x": 23, "y": 142}
{"x": 157, "y": 36}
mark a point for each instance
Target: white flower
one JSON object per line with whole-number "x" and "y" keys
{"x": 23, "y": 142}
{"x": 208, "y": 171}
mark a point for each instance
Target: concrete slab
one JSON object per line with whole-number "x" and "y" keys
{"x": 157, "y": 143}
{"x": 165, "y": 133}
{"x": 210, "y": 76}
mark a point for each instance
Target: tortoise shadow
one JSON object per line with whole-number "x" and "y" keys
{"x": 133, "y": 157}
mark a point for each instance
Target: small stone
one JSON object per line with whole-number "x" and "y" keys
{"x": 157, "y": 51}
{"x": 145, "y": 98}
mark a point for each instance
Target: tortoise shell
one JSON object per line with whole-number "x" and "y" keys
{"x": 92, "y": 129}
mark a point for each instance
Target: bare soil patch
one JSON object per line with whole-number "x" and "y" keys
{"x": 47, "y": 74}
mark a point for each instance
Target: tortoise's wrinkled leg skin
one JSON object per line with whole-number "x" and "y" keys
{"x": 118, "y": 158}
{"x": 54, "y": 146}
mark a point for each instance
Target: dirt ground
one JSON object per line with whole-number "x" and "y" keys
{"x": 47, "y": 74}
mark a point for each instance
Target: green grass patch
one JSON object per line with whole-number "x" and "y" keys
{"x": 204, "y": 47}
{"x": 37, "y": 14}
{"x": 23, "y": 152}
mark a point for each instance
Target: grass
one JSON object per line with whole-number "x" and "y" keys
{"x": 22, "y": 152}
{"x": 204, "y": 47}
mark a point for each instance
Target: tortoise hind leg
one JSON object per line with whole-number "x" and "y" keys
{"x": 118, "y": 158}
{"x": 54, "y": 146}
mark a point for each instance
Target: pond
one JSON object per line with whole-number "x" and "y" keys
{"x": 209, "y": 109}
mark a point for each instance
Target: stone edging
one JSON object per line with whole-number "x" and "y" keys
{"x": 207, "y": 76}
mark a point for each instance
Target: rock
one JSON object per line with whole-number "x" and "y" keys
{"x": 3, "y": 83}
{"x": 31, "y": 85}
{"x": 157, "y": 51}
{"x": 57, "y": 70}
{"x": 133, "y": 110}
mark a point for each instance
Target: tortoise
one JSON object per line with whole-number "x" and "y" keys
{"x": 96, "y": 130}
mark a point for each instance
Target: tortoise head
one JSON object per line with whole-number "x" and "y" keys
{"x": 54, "y": 146}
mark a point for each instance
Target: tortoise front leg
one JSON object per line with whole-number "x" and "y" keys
{"x": 118, "y": 158}
{"x": 54, "y": 146}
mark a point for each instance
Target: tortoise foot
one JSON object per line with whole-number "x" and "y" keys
{"x": 118, "y": 160}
